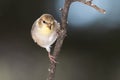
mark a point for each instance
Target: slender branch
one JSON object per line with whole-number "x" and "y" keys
{"x": 60, "y": 39}
{"x": 63, "y": 31}
{"x": 89, "y": 3}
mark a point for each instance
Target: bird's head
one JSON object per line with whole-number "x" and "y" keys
{"x": 46, "y": 24}
{"x": 46, "y": 20}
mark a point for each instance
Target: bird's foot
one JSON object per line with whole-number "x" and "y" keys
{"x": 52, "y": 58}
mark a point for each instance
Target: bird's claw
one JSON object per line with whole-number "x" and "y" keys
{"x": 52, "y": 59}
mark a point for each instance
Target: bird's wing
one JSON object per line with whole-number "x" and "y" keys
{"x": 34, "y": 24}
{"x": 57, "y": 28}
{"x": 57, "y": 24}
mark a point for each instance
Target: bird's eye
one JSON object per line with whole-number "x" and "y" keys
{"x": 44, "y": 22}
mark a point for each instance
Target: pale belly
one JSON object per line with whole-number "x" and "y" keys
{"x": 44, "y": 40}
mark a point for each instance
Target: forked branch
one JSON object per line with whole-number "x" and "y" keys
{"x": 63, "y": 31}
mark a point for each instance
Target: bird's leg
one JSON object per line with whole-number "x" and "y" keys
{"x": 52, "y": 58}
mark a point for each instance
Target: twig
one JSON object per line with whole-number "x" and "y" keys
{"x": 63, "y": 31}
{"x": 60, "y": 39}
{"x": 62, "y": 35}
{"x": 89, "y": 3}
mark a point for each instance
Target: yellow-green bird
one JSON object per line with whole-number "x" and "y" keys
{"x": 45, "y": 32}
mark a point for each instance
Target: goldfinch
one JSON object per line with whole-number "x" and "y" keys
{"x": 44, "y": 32}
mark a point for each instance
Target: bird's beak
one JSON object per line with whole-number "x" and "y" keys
{"x": 49, "y": 26}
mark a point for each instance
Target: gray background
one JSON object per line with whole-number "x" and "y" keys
{"x": 91, "y": 50}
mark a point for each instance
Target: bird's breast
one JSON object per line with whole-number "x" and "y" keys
{"x": 45, "y": 31}
{"x": 43, "y": 36}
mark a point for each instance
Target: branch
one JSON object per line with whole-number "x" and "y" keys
{"x": 60, "y": 39}
{"x": 63, "y": 31}
{"x": 89, "y": 3}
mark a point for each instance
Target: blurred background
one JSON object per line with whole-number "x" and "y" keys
{"x": 91, "y": 50}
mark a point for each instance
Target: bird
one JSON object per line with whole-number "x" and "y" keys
{"x": 44, "y": 32}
